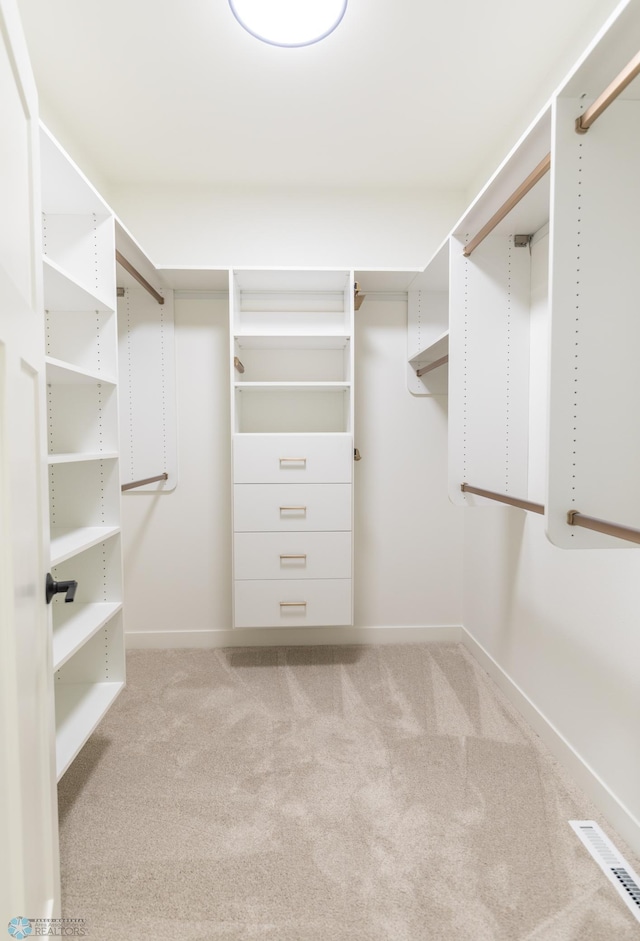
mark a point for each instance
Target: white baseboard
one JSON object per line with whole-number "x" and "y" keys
{"x": 584, "y": 776}
{"x": 293, "y": 636}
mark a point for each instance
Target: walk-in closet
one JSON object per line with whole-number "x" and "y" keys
{"x": 319, "y": 539}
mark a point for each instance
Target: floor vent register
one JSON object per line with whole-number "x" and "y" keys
{"x": 612, "y": 863}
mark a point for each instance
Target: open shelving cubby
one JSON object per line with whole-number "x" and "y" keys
{"x": 83, "y": 448}
{"x": 292, "y": 356}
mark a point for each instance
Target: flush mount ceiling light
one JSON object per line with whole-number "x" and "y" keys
{"x": 289, "y": 22}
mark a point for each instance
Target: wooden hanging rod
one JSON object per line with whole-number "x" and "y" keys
{"x": 433, "y": 365}
{"x": 534, "y": 177}
{"x": 141, "y": 483}
{"x": 503, "y": 498}
{"x": 611, "y": 92}
{"x": 136, "y": 274}
{"x": 574, "y": 518}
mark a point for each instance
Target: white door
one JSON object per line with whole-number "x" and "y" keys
{"x": 29, "y": 871}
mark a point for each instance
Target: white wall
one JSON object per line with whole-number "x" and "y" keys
{"x": 563, "y": 626}
{"x": 408, "y": 537}
{"x": 200, "y": 227}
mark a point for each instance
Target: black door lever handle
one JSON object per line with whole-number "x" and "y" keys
{"x": 52, "y": 588}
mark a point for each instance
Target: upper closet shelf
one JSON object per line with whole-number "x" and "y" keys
{"x": 432, "y": 352}
{"x": 289, "y": 323}
{"x": 292, "y": 341}
{"x": 284, "y": 386}
{"x": 61, "y": 373}
{"x": 528, "y": 208}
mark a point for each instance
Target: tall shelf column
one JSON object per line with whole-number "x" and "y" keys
{"x": 594, "y": 450}
{"x": 83, "y": 444}
{"x": 291, "y": 364}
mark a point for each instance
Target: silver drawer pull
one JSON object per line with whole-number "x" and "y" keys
{"x": 293, "y": 460}
{"x": 293, "y": 604}
{"x": 293, "y": 557}
{"x": 293, "y": 509}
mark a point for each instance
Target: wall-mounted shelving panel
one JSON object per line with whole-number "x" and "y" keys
{"x": 594, "y": 453}
{"x": 490, "y": 342}
{"x": 83, "y": 445}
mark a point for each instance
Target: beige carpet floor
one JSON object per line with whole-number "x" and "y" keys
{"x": 326, "y": 794}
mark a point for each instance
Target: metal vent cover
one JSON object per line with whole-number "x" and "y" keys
{"x": 613, "y": 864}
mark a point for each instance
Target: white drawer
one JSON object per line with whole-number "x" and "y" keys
{"x": 291, "y": 507}
{"x": 292, "y": 555}
{"x": 275, "y": 459}
{"x": 293, "y": 603}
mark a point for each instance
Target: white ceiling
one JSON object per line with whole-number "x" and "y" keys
{"x": 404, "y": 93}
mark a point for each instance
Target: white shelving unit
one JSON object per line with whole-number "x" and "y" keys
{"x": 595, "y": 381}
{"x": 490, "y": 309}
{"x": 537, "y": 287}
{"x": 292, "y": 427}
{"x": 83, "y": 442}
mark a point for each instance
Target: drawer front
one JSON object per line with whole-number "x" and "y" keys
{"x": 293, "y": 603}
{"x": 291, "y": 507}
{"x": 292, "y": 555}
{"x": 275, "y": 459}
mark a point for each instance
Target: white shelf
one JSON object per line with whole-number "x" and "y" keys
{"x": 62, "y": 291}
{"x": 292, "y": 341}
{"x": 79, "y": 709}
{"x": 66, "y": 543}
{"x": 62, "y": 373}
{"x": 290, "y": 281}
{"x": 288, "y": 386}
{"x": 80, "y": 457}
{"x": 74, "y": 624}
{"x": 435, "y": 350}
{"x": 289, "y": 324}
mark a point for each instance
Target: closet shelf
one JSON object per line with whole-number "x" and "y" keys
{"x": 79, "y": 709}
{"x": 435, "y": 350}
{"x": 287, "y": 386}
{"x": 77, "y": 458}
{"x": 74, "y": 624}
{"x": 65, "y": 543}
{"x": 288, "y": 328}
{"x": 62, "y": 291}
{"x": 61, "y": 373}
{"x": 286, "y": 341}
